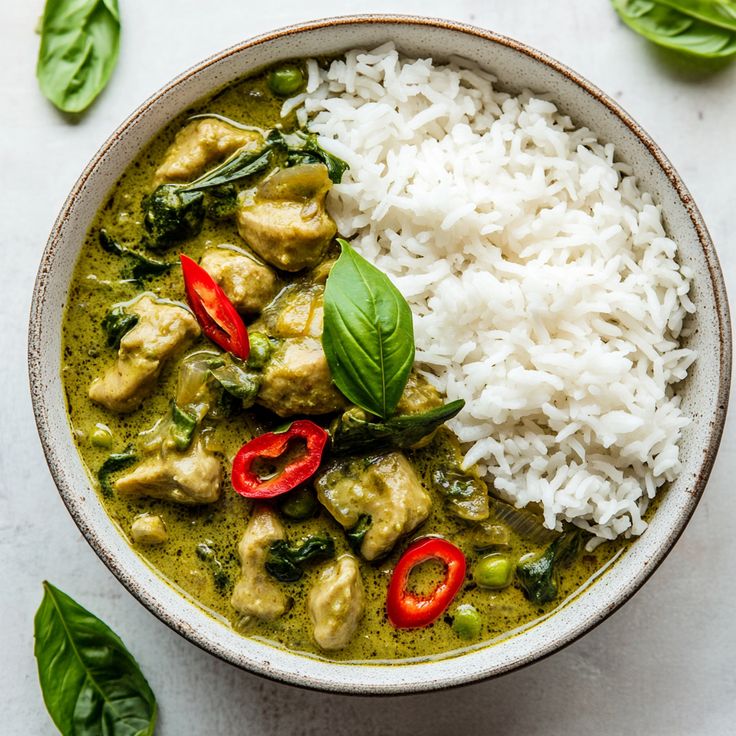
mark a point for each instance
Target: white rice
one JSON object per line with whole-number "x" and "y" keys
{"x": 544, "y": 288}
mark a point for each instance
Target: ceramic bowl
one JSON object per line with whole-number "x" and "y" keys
{"x": 704, "y": 393}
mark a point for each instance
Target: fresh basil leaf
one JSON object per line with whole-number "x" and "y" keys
{"x": 116, "y": 323}
{"x": 240, "y": 165}
{"x": 91, "y": 683}
{"x": 368, "y": 334}
{"x": 114, "y": 463}
{"x": 705, "y": 29}
{"x": 718, "y": 12}
{"x": 137, "y": 266}
{"x": 80, "y": 40}
{"x": 353, "y": 434}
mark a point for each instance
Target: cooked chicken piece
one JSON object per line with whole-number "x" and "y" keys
{"x": 200, "y": 145}
{"x": 256, "y": 593}
{"x": 382, "y": 487}
{"x": 148, "y": 529}
{"x": 285, "y": 221}
{"x": 336, "y": 603}
{"x": 419, "y": 396}
{"x": 162, "y": 329}
{"x": 297, "y": 312}
{"x": 190, "y": 477}
{"x": 297, "y": 380}
{"x": 248, "y": 284}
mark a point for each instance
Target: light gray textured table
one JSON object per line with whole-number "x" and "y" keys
{"x": 664, "y": 664}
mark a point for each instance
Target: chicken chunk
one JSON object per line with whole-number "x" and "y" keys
{"x": 200, "y": 145}
{"x": 383, "y": 488}
{"x": 191, "y": 477}
{"x": 297, "y": 380}
{"x": 256, "y": 593}
{"x": 248, "y": 284}
{"x": 419, "y": 396}
{"x": 148, "y": 529}
{"x": 336, "y": 603}
{"x": 162, "y": 329}
{"x": 285, "y": 221}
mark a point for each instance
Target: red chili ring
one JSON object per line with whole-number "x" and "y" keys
{"x": 272, "y": 445}
{"x": 407, "y": 610}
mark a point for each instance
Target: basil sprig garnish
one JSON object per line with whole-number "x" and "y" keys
{"x": 368, "y": 334}
{"x": 80, "y": 40}
{"x": 698, "y": 27}
{"x": 91, "y": 683}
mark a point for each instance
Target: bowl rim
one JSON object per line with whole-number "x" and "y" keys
{"x": 107, "y": 555}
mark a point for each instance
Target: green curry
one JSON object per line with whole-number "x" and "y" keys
{"x": 159, "y": 411}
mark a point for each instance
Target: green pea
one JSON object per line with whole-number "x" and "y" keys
{"x": 299, "y": 504}
{"x": 101, "y": 436}
{"x": 286, "y": 80}
{"x": 494, "y": 571}
{"x": 466, "y": 621}
{"x": 260, "y": 350}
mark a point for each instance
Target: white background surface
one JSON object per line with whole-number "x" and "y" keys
{"x": 664, "y": 664}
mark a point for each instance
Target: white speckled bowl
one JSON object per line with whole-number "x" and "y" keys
{"x": 705, "y": 393}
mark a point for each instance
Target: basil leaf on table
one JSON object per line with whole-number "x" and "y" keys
{"x": 698, "y": 27}
{"x": 368, "y": 335}
{"x": 91, "y": 683}
{"x": 80, "y": 40}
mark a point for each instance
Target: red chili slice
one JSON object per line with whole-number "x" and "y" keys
{"x": 408, "y": 610}
{"x": 272, "y": 445}
{"x": 215, "y": 313}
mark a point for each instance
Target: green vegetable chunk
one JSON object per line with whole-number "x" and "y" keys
{"x": 538, "y": 576}
{"x": 183, "y": 426}
{"x": 701, "y": 28}
{"x": 116, "y": 323}
{"x": 353, "y": 432}
{"x": 284, "y": 562}
{"x": 368, "y": 334}
{"x": 91, "y": 683}
{"x": 80, "y": 40}
{"x": 286, "y": 80}
{"x": 467, "y": 621}
{"x": 298, "y": 504}
{"x": 261, "y": 348}
{"x": 172, "y": 214}
{"x": 494, "y": 571}
{"x": 115, "y": 463}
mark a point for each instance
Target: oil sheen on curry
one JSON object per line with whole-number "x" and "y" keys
{"x": 224, "y": 391}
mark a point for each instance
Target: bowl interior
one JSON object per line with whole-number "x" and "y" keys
{"x": 704, "y": 394}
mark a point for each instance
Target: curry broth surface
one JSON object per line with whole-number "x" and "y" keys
{"x": 95, "y": 286}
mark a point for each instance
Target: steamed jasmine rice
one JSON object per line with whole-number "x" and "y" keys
{"x": 544, "y": 288}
